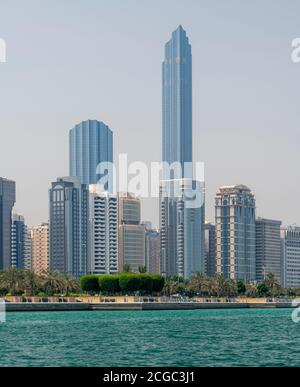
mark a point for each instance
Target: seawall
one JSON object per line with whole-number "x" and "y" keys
{"x": 59, "y": 307}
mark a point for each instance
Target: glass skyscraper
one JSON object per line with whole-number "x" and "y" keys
{"x": 7, "y": 201}
{"x": 91, "y": 142}
{"x": 177, "y": 101}
{"x": 181, "y": 223}
{"x": 68, "y": 226}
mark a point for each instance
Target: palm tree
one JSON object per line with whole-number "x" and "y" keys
{"x": 273, "y": 284}
{"x": 251, "y": 289}
{"x": 53, "y": 282}
{"x": 32, "y": 282}
{"x": 71, "y": 285}
{"x": 12, "y": 280}
{"x": 198, "y": 284}
{"x": 127, "y": 268}
{"x": 142, "y": 269}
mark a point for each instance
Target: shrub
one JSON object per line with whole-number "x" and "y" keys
{"x": 146, "y": 283}
{"x": 90, "y": 283}
{"x": 158, "y": 283}
{"x": 109, "y": 284}
{"x": 130, "y": 282}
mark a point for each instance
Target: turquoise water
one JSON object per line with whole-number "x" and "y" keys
{"x": 154, "y": 338}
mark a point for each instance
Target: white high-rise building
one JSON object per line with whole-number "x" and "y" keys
{"x": 103, "y": 232}
{"x": 235, "y": 233}
{"x": 290, "y": 244}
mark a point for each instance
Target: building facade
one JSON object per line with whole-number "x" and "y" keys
{"x": 290, "y": 240}
{"x": 40, "y": 248}
{"x": 68, "y": 226}
{"x": 103, "y": 232}
{"x": 235, "y": 233}
{"x": 131, "y": 233}
{"x": 20, "y": 243}
{"x": 182, "y": 227}
{"x": 91, "y": 143}
{"x": 7, "y": 201}
{"x": 268, "y": 248}
{"x": 210, "y": 249}
{"x": 152, "y": 251}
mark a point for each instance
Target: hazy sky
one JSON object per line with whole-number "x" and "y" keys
{"x": 72, "y": 60}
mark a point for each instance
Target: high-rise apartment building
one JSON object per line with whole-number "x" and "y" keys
{"x": 235, "y": 233}
{"x": 20, "y": 243}
{"x": 103, "y": 232}
{"x": 268, "y": 248}
{"x": 210, "y": 249}
{"x": 182, "y": 227}
{"x": 68, "y": 226}
{"x": 7, "y": 201}
{"x": 152, "y": 250}
{"x": 131, "y": 232}
{"x": 91, "y": 142}
{"x": 290, "y": 239}
{"x": 40, "y": 248}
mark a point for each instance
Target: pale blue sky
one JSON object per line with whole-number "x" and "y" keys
{"x": 69, "y": 61}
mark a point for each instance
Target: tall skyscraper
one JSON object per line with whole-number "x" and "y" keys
{"x": 291, "y": 256}
{"x": 210, "y": 249}
{"x": 91, "y": 142}
{"x": 182, "y": 227}
{"x": 177, "y": 102}
{"x": 268, "y": 248}
{"x": 103, "y": 232}
{"x": 235, "y": 233}
{"x": 20, "y": 244}
{"x": 7, "y": 201}
{"x": 131, "y": 232}
{"x": 68, "y": 226}
{"x": 40, "y": 248}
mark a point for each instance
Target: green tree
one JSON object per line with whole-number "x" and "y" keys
{"x": 13, "y": 281}
{"x": 127, "y": 268}
{"x": 90, "y": 283}
{"x": 142, "y": 269}
{"x": 241, "y": 287}
{"x": 262, "y": 289}
{"x": 109, "y": 284}
{"x": 33, "y": 283}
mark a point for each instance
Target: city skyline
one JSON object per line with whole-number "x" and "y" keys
{"x": 251, "y": 111}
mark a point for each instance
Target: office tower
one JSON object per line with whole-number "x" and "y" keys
{"x": 210, "y": 249}
{"x": 235, "y": 233}
{"x": 7, "y": 201}
{"x": 182, "y": 227}
{"x": 103, "y": 232}
{"x": 290, "y": 239}
{"x": 268, "y": 248}
{"x": 131, "y": 233}
{"x": 177, "y": 102}
{"x": 91, "y": 142}
{"x": 68, "y": 226}
{"x": 20, "y": 244}
{"x": 40, "y": 248}
{"x": 152, "y": 249}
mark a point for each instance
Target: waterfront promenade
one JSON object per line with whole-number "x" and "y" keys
{"x": 19, "y": 304}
